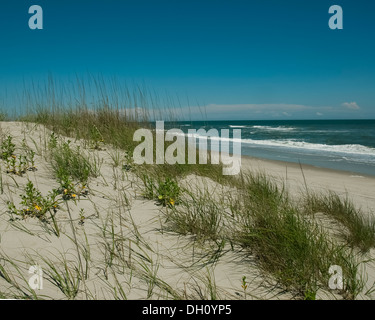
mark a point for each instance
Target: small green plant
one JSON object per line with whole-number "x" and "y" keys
{"x": 16, "y": 165}
{"x": 82, "y": 217}
{"x": 10, "y": 163}
{"x": 71, "y": 191}
{"x": 30, "y": 158}
{"x": 7, "y": 148}
{"x": 34, "y": 204}
{"x": 52, "y": 143}
{"x": 244, "y": 286}
{"x": 168, "y": 192}
{"x": 128, "y": 162}
{"x": 22, "y": 165}
{"x": 66, "y": 188}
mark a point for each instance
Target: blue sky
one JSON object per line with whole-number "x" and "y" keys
{"x": 264, "y": 59}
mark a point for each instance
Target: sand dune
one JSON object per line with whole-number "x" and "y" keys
{"x": 120, "y": 249}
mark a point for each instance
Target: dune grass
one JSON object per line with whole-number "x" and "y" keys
{"x": 297, "y": 252}
{"x": 360, "y": 230}
{"x": 262, "y": 222}
{"x": 72, "y": 163}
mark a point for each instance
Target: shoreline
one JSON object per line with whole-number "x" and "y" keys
{"x": 357, "y": 187}
{"x": 280, "y": 141}
{"x": 306, "y": 166}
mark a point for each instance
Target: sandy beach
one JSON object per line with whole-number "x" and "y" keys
{"x": 358, "y": 187}
{"x": 116, "y": 238}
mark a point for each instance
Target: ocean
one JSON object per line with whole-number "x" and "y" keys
{"x": 347, "y": 145}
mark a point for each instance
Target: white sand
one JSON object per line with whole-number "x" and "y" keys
{"x": 360, "y": 188}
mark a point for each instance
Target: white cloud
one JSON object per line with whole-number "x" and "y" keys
{"x": 254, "y": 111}
{"x": 351, "y": 105}
{"x": 247, "y": 112}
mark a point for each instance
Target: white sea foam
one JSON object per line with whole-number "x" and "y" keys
{"x": 288, "y": 143}
{"x": 269, "y": 128}
{"x": 233, "y": 126}
{"x": 348, "y": 149}
{"x": 341, "y": 150}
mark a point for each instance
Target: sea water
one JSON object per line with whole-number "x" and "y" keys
{"x": 347, "y": 145}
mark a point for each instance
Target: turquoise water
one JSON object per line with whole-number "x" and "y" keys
{"x": 335, "y": 144}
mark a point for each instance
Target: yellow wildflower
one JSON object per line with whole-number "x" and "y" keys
{"x": 37, "y": 207}
{"x": 74, "y": 195}
{"x": 172, "y": 202}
